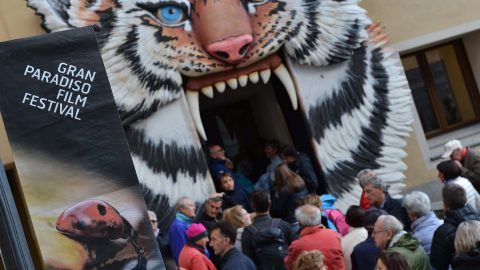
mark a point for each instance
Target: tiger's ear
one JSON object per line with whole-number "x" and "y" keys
{"x": 60, "y": 15}
{"x": 328, "y": 32}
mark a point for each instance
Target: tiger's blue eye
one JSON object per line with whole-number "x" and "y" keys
{"x": 171, "y": 14}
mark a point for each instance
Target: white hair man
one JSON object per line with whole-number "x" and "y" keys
{"x": 388, "y": 234}
{"x": 424, "y": 221}
{"x": 176, "y": 232}
{"x": 310, "y": 219}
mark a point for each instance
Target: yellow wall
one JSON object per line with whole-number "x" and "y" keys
{"x": 407, "y": 19}
{"x": 17, "y": 20}
{"x": 417, "y": 173}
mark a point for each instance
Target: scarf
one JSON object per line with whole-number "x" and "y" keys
{"x": 183, "y": 218}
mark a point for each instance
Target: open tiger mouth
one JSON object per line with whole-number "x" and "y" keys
{"x": 235, "y": 78}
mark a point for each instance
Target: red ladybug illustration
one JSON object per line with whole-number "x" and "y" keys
{"x": 91, "y": 219}
{"x": 98, "y": 220}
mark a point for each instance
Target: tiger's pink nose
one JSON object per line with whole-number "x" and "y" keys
{"x": 232, "y": 49}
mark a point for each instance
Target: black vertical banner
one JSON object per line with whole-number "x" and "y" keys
{"x": 71, "y": 154}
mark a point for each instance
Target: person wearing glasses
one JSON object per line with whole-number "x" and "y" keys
{"x": 163, "y": 242}
{"x": 389, "y": 235}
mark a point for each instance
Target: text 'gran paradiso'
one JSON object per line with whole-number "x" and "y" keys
{"x": 73, "y": 86}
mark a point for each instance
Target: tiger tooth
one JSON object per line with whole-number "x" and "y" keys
{"x": 253, "y": 77}
{"x": 208, "y": 91}
{"x": 243, "y": 80}
{"x": 192, "y": 100}
{"x": 265, "y": 75}
{"x": 233, "y": 83}
{"x": 220, "y": 87}
{"x": 284, "y": 76}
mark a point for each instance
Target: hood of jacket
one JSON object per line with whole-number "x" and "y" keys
{"x": 426, "y": 222}
{"x": 406, "y": 241}
{"x": 470, "y": 259}
{"x": 457, "y": 216}
{"x": 328, "y": 201}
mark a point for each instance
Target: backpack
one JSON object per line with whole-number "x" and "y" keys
{"x": 163, "y": 241}
{"x": 338, "y": 219}
{"x": 270, "y": 246}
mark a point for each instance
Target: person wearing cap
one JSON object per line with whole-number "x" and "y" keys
{"x": 192, "y": 256}
{"x": 468, "y": 159}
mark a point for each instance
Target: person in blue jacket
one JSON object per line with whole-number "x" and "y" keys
{"x": 183, "y": 218}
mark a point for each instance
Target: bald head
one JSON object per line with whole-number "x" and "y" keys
{"x": 308, "y": 215}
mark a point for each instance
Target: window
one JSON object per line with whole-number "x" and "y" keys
{"x": 443, "y": 88}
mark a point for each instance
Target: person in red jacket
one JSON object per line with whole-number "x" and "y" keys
{"x": 313, "y": 236}
{"x": 192, "y": 256}
{"x": 467, "y": 159}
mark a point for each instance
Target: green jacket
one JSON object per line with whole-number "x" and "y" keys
{"x": 411, "y": 249}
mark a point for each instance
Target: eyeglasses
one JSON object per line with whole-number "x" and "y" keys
{"x": 377, "y": 232}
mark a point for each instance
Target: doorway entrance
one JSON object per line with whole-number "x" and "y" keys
{"x": 241, "y": 120}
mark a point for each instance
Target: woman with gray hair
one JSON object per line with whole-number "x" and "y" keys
{"x": 467, "y": 246}
{"x": 424, "y": 221}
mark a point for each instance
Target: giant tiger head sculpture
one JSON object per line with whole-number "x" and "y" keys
{"x": 161, "y": 55}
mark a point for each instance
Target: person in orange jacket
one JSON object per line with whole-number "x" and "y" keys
{"x": 192, "y": 256}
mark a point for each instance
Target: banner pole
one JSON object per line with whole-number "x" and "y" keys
{"x": 13, "y": 244}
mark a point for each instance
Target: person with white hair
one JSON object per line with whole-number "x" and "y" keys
{"x": 184, "y": 216}
{"x": 467, "y": 158}
{"x": 424, "y": 221}
{"x": 389, "y": 235}
{"x": 314, "y": 236}
{"x": 376, "y": 192}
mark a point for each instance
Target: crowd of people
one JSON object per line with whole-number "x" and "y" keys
{"x": 281, "y": 222}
